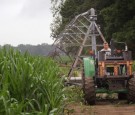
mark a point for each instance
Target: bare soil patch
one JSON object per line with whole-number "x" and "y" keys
{"x": 102, "y": 107}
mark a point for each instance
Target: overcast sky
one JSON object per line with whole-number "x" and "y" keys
{"x": 25, "y": 22}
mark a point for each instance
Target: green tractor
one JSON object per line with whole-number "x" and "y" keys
{"x": 109, "y": 74}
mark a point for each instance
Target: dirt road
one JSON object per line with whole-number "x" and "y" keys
{"x": 102, "y": 107}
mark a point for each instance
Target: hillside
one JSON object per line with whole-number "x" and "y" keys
{"x": 40, "y": 50}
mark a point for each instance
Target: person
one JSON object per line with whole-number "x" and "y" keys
{"x": 92, "y": 54}
{"x": 106, "y": 47}
{"x": 107, "y": 53}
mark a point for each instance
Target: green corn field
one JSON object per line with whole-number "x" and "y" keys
{"x": 29, "y": 85}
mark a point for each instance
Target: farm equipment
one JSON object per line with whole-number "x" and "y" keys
{"x": 101, "y": 73}
{"x": 109, "y": 74}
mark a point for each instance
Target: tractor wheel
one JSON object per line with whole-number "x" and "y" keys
{"x": 131, "y": 88}
{"x": 89, "y": 90}
{"x": 122, "y": 96}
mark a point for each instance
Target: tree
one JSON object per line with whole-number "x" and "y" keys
{"x": 115, "y": 17}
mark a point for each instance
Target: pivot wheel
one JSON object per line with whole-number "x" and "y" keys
{"x": 131, "y": 88}
{"x": 89, "y": 90}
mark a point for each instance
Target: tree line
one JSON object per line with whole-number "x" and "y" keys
{"x": 37, "y": 50}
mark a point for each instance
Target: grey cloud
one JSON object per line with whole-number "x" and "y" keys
{"x": 34, "y": 8}
{"x": 5, "y": 2}
{"x": 25, "y": 21}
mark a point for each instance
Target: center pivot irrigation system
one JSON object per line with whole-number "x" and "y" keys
{"x": 100, "y": 71}
{"x": 79, "y": 37}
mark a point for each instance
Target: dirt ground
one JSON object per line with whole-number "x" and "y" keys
{"x": 102, "y": 107}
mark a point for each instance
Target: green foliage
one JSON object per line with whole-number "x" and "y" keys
{"x": 29, "y": 85}
{"x": 115, "y": 17}
{"x": 73, "y": 94}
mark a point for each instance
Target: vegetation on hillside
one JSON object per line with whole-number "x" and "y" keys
{"x": 37, "y": 50}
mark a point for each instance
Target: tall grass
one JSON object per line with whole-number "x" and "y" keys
{"x": 29, "y": 85}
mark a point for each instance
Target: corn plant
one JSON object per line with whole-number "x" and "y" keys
{"x": 29, "y": 85}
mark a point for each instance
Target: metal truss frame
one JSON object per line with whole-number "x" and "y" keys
{"x": 77, "y": 33}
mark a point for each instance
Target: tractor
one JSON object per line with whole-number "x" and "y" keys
{"x": 109, "y": 74}
{"x": 102, "y": 73}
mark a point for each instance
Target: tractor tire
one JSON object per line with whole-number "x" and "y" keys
{"x": 122, "y": 96}
{"x": 89, "y": 91}
{"x": 131, "y": 90}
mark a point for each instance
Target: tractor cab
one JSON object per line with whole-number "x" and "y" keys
{"x": 114, "y": 70}
{"x": 117, "y": 63}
